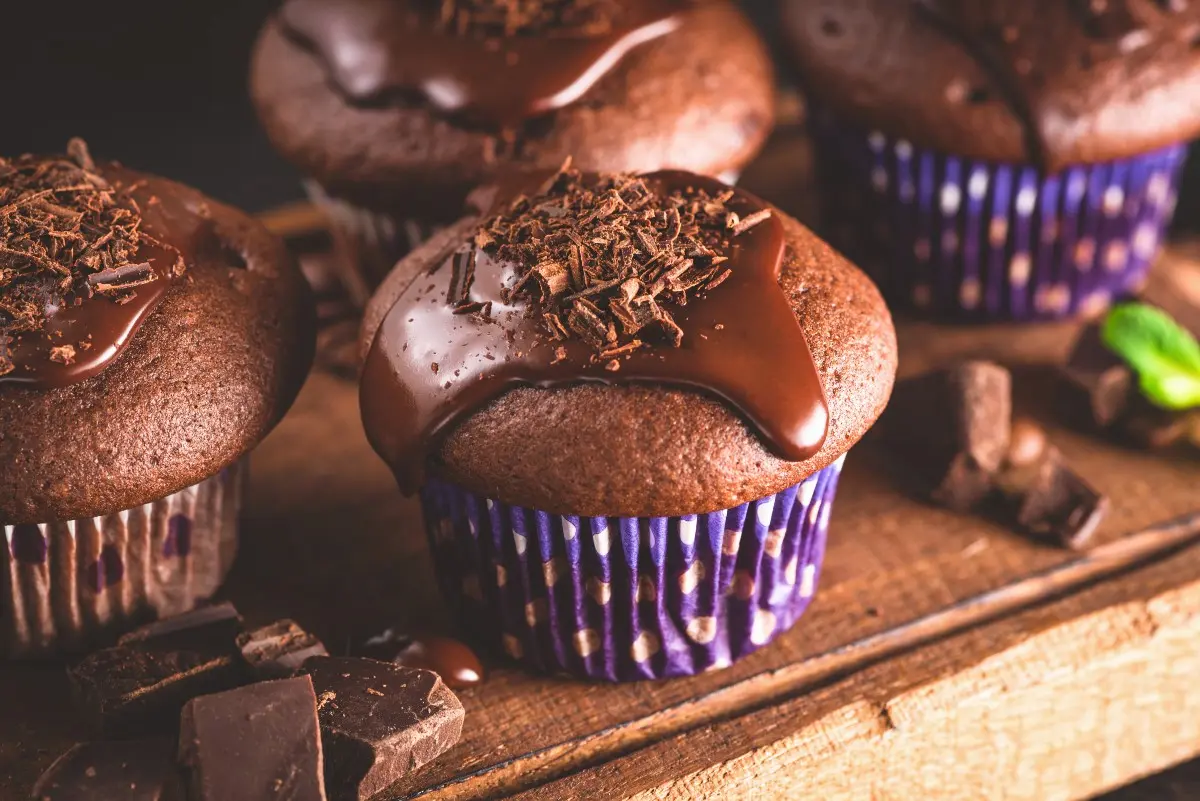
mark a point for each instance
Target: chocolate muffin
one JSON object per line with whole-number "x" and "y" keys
{"x": 625, "y": 403}
{"x": 149, "y": 338}
{"x": 396, "y": 109}
{"x": 1000, "y": 160}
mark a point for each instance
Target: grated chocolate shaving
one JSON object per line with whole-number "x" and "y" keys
{"x": 66, "y": 233}
{"x": 606, "y": 259}
{"x": 490, "y": 19}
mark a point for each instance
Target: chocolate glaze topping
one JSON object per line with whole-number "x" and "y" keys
{"x": 1048, "y": 82}
{"x": 464, "y": 60}
{"x": 90, "y": 316}
{"x": 1025, "y": 72}
{"x": 736, "y": 337}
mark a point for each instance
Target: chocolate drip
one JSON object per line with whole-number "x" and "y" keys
{"x": 429, "y": 367}
{"x": 97, "y": 329}
{"x": 1000, "y": 42}
{"x": 986, "y": 46}
{"x": 376, "y": 50}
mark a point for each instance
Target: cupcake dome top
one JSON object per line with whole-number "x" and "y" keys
{"x": 149, "y": 337}
{"x": 621, "y": 345}
{"x": 1049, "y": 82}
{"x": 370, "y": 93}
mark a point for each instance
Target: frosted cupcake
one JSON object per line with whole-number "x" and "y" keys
{"x": 986, "y": 160}
{"x": 625, "y": 403}
{"x": 396, "y": 109}
{"x": 149, "y": 338}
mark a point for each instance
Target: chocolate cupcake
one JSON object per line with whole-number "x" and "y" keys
{"x": 149, "y": 338}
{"x": 396, "y": 109}
{"x": 625, "y": 403}
{"x": 1000, "y": 160}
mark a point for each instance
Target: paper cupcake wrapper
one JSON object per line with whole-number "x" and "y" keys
{"x": 965, "y": 239}
{"x": 622, "y": 599}
{"x": 64, "y": 586}
{"x": 367, "y": 242}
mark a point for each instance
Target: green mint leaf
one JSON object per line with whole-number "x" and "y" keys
{"x": 1165, "y": 356}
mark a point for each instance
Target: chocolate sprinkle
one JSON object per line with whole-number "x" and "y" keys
{"x": 501, "y": 18}
{"x": 605, "y": 260}
{"x": 66, "y": 233}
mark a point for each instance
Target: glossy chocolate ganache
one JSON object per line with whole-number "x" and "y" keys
{"x": 496, "y": 62}
{"x": 1041, "y": 77}
{"x": 669, "y": 278}
{"x": 86, "y": 255}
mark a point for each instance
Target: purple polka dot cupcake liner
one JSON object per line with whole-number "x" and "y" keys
{"x": 958, "y": 238}
{"x": 367, "y": 242}
{"x": 65, "y": 586}
{"x": 626, "y": 598}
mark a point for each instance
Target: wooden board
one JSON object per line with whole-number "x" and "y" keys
{"x": 943, "y": 655}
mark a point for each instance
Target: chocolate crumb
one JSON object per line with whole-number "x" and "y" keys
{"x": 494, "y": 19}
{"x": 63, "y": 354}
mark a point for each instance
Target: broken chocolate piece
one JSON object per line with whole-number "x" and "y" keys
{"x": 1055, "y": 504}
{"x": 257, "y": 742}
{"x": 130, "y": 770}
{"x": 380, "y": 722}
{"x": 279, "y": 650}
{"x": 956, "y": 424}
{"x": 216, "y": 622}
{"x": 139, "y": 686}
{"x": 126, "y": 276}
{"x": 1101, "y": 386}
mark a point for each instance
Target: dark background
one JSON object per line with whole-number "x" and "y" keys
{"x": 161, "y": 86}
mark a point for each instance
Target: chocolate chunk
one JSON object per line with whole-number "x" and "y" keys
{"x": 956, "y": 425}
{"x": 140, "y": 685}
{"x": 455, "y": 662}
{"x": 1100, "y": 385}
{"x": 1053, "y": 503}
{"x": 130, "y": 770}
{"x": 380, "y": 722}
{"x": 218, "y": 622}
{"x": 278, "y": 650}
{"x": 257, "y": 742}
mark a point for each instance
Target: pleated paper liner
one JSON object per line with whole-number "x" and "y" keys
{"x": 367, "y": 242}
{"x": 64, "y": 586}
{"x": 962, "y": 239}
{"x": 622, "y": 599}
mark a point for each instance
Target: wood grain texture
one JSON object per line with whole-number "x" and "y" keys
{"x": 1059, "y": 702}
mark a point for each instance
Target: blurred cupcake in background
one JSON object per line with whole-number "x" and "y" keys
{"x": 149, "y": 338}
{"x": 1009, "y": 160}
{"x": 625, "y": 403}
{"x": 396, "y": 109}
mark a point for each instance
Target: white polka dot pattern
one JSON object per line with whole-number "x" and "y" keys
{"x": 630, "y": 598}
{"x": 960, "y": 238}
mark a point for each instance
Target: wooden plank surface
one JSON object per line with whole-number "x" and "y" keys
{"x": 1058, "y": 702}
{"x": 954, "y": 626}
